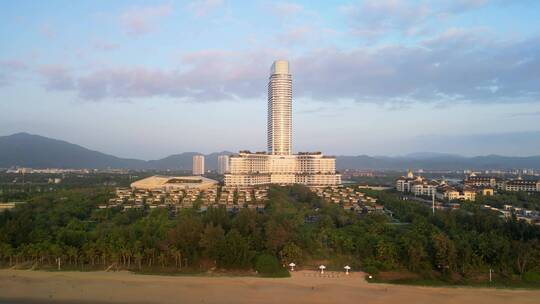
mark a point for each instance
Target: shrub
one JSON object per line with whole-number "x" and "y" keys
{"x": 532, "y": 277}
{"x": 371, "y": 269}
{"x": 269, "y": 266}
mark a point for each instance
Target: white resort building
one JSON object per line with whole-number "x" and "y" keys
{"x": 416, "y": 185}
{"x": 279, "y": 165}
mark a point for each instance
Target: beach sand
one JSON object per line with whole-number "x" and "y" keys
{"x": 24, "y": 286}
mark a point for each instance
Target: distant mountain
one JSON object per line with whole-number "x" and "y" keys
{"x": 509, "y": 143}
{"x": 437, "y": 162}
{"x": 26, "y": 150}
{"x": 429, "y": 155}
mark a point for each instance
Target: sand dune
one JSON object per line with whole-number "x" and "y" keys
{"x": 20, "y": 286}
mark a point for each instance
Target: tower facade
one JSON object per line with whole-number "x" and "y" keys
{"x": 198, "y": 165}
{"x": 223, "y": 164}
{"x": 280, "y": 109}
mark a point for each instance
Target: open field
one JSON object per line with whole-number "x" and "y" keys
{"x": 20, "y": 286}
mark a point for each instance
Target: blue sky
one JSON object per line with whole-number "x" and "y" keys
{"x": 147, "y": 79}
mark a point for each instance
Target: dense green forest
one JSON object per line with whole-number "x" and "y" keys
{"x": 451, "y": 246}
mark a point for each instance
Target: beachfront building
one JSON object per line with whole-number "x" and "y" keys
{"x": 279, "y": 165}
{"x": 198, "y": 165}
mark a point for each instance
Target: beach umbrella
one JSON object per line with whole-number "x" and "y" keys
{"x": 322, "y": 268}
{"x": 292, "y": 266}
{"x": 347, "y": 268}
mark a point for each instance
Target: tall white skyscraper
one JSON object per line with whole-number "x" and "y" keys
{"x": 198, "y": 165}
{"x": 280, "y": 109}
{"x": 279, "y": 165}
{"x": 223, "y": 164}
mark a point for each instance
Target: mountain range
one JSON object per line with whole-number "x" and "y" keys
{"x": 27, "y": 150}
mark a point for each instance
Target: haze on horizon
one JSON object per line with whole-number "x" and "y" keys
{"x": 146, "y": 79}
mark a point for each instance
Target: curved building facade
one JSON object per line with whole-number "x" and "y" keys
{"x": 280, "y": 109}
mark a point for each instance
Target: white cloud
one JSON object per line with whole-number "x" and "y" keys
{"x": 285, "y": 9}
{"x": 10, "y": 69}
{"x": 47, "y": 31}
{"x": 57, "y": 77}
{"x": 296, "y": 35}
{"x": 104, "y": 45}
{"x": 203, "y": 7}
{"x": 375, "y": 18}
{"x": 435, "y": 72}
{"x": 141, "y": 20}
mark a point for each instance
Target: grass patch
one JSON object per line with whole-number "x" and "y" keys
{"x": 504, "y": 284}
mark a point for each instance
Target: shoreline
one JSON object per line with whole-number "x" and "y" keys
{"x": 26, "y": 286}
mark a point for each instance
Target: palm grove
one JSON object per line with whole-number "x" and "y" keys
{"x": 64, "y": 229}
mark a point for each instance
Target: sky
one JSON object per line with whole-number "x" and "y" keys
{"x": 147, "y": 79}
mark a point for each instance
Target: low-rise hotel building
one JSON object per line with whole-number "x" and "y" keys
{"x": 416, "y": 185}
{"x": 420, "y": 186}
{"x": 170, "y": 183}
{"x": 454, "y": 193}
{"x": 311, "y": 169}
{"x": 522, "y": 185}
{"x": 480, "y": 181}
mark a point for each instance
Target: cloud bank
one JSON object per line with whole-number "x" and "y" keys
{"x": 456, "y": 65}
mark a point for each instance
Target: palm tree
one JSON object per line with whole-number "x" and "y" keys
{"x": 150, "y": 253}
{"x": 73, "y": 254}
{"x": 138, "y": 259}
{"x": 90, "y": 253}
{"x": 6, "y": 251}
{"x": 177, "y": 254}
{"x": 43, "y": 251}
{"x": 57, "y": 253}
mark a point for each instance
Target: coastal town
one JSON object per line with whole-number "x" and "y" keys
{"x": 213, "y": 151}
{"x": 446, "y": 195}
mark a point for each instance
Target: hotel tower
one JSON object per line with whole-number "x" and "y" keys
{"x": 280, "y": 109}
{"x": 279, "y": 165}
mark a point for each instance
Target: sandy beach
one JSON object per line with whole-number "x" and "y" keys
{"x": 23, "y": 286}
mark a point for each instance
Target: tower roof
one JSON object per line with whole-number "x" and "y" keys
{"x": 280, "y": 67}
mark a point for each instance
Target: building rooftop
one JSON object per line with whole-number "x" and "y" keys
{"x": 280, "y": 67}
{"x": 164, "y": 182}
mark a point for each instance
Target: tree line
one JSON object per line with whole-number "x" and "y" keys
{"x": 65, "y": 229}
